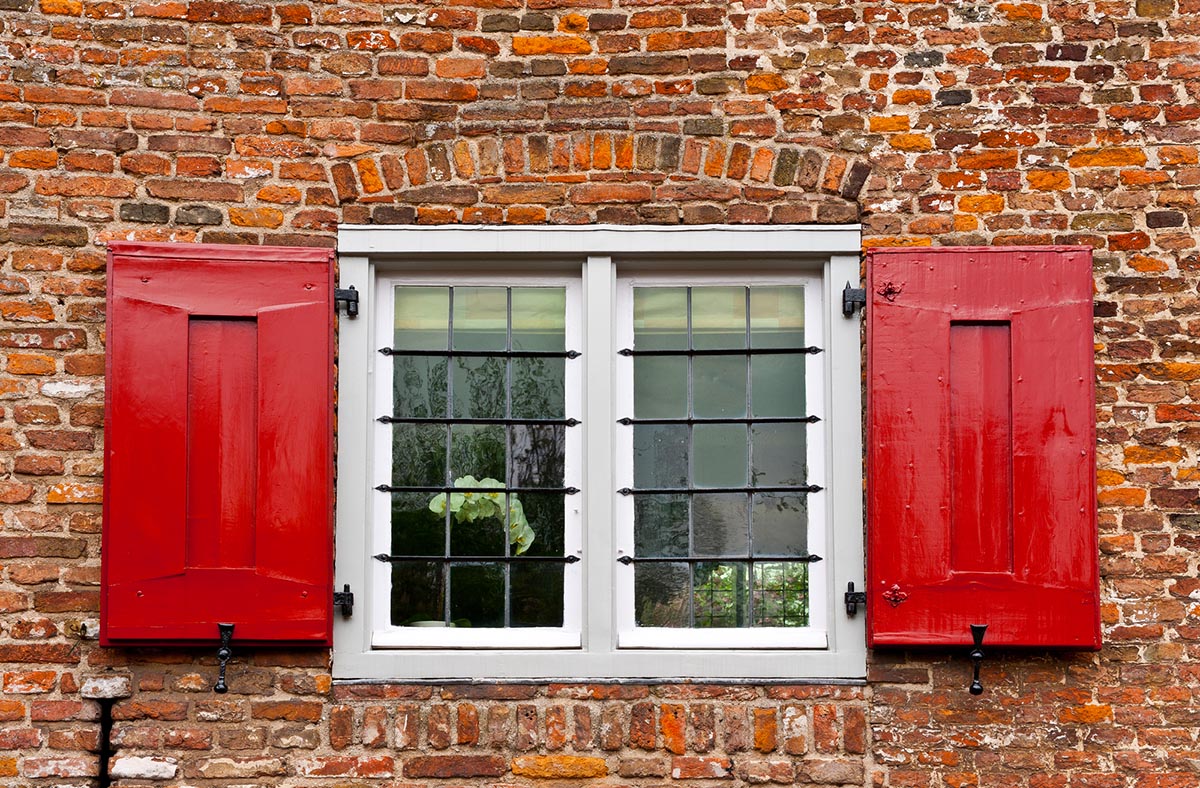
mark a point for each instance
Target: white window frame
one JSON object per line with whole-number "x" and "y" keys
{"x": 630, "y": 636}
{"x": 383, "y": 633}
{"x": 598, "y": 254}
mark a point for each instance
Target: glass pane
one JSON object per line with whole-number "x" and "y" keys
{"x": 660, "y": 595}
{"x": 537, "y": 595}
{"x": 539, "y": 318}
{"x": 779, "y": 522}
{"x": 477, "y": 524}
{"x": 477, "y": 450}
{"x": 478, "y": 388}
{"x": 660, "y": 318}
{"x": 720, "y": 455}
{"x": 660, "y": 525}
{"x": 777, "y": 316}
{"x": 418, "y": 454}
{"x": 718, "y": 318}
{"x": 544, "y": 514}
{"x": 720, "y": 524}
{"x": 779, "y": 454}
{"x": 660, "y": 387}
{"x": 417, "y": 592}
{"x": 422, "y": 319}
{"x": 719, "y": 386}
{"x": 721, "y": 595}
{"x": 480, "y": 318}
{"x": 781, "y": 595}
{"x": 419, "y": 387}
{"x": 537, "y": 455}
{"x": 417, "y": 529}
{"x": 778, "y": 383}
{"x": 537, "y": 388}
{"x": 477, "y": 595}
{"x": 660, "y": 455}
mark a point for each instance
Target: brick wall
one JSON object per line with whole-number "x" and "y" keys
{"x": 933, "y": 122}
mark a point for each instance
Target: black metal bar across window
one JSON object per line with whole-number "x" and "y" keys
{"x": 739, "y": 420}
{"x": 449, "y": 488}
{"x": 451, "y": 420}
{"x": 753, "y": 351}
{"x": 628, "y": 560}
{"x": 478, "y": 559}
{"x": 387, "y": 351}
{"x": 806, "y": 488}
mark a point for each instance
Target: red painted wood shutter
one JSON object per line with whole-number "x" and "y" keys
{"x": 218, "y": 444}
{"x": 981, "y": 459}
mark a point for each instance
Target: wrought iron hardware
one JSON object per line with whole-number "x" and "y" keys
{"x": 806, "y": 488}
{"x": 743, "y": 420}
{"x": 224, "y": 654}
{"x": 350, "y": 296}
{"x": 853, "y": 298}
{"x": 344, "y": 601}
{"x": 752, "y": 351}
{"x": 853, "y": 599}
{"x": 977, "y": 633}
{"x": 451, "y": 420}
{"x": 479, "y": 559}
{"x": 390, "y": 351}
{"x": 629, "y": 560}
{"x": 437, "y": 488}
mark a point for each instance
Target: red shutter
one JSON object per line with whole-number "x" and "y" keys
{"x": 218, "y": 444}
{"x": 981, "y": 435}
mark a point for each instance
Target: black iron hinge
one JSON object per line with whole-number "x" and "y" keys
{"x": 853, "y": 298}
{"x": 344, "y": 600}
{"x": 350, "y": 296}
{"x": 853, "y": 599}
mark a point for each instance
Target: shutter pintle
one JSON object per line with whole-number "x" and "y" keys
{"x": 350, "y": 296}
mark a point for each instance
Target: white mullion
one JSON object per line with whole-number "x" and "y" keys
{"x": 600, "y": 568}
{"x": 380, "y": 574}
{"x": 623, "y": 505}
{"x": 819, "y": 524}
{"x": 573, "y": 465}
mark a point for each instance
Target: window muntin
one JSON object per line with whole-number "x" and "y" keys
{"x": 479, "y": 535}
{"x": 717, "y": 378}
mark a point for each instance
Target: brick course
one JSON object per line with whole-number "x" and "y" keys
{"x": 930, "y": 122}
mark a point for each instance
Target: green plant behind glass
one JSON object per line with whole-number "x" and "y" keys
{"x": 467, "y": 507}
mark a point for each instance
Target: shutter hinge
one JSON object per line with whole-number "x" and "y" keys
{"x": 853, "y": 599}
{"x": 350, "y": 296}
{"x": 344, "y": 601}
{"x": 853, "y": 298}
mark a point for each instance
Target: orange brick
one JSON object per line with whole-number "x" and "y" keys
{"x": 1048, "y": 180}
{"x": 72, "y": 492}
{"x": 911, "y": 142}
{"x": 255, "y": 217}
{"x": 62, "y": 7}
{"x": 1153, "y": 454}
{"x": 1108, "y": 157}
{"x": 30, "y": 364}
{"x": 33, "y": 159}
{"x": 1121, "y": 496}
{"x": 890, "y": 123}
{"x": 559, "y": 766}
{"x": 550, "y": 45}
{"x": 912, "y": 96}
{"x": 981, "y": 203}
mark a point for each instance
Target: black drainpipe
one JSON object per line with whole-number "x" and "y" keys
{"x": 105, "y": 743}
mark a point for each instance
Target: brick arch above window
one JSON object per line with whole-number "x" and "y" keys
{"x": 585, "y": 177}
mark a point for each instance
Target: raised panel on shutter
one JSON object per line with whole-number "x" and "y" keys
{"x": 218, "y": 444}
{"x": 981, "y": 459}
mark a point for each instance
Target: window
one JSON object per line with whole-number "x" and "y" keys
{"x": 599, "y": 453}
